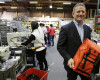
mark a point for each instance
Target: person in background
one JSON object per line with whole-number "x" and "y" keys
{"x": 51, "y": 34}
{"x": 48, "y": 31}
{"x": 37, "y": 38}
{"x": 71, "y": 37}
{"x": 44, "y": 31}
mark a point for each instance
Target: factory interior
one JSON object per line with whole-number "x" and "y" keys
{"x": 19, "y": 62}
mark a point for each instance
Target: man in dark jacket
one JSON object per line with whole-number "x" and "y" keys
{"x": 71, "y": 37}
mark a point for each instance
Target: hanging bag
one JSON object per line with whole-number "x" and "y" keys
{"x": 86, "y": 57}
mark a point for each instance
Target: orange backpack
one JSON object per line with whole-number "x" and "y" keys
{"x": 86, "y": 57}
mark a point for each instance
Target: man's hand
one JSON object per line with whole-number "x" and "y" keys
{"x": 70, "y": 63}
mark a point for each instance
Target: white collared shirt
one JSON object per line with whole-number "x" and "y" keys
{"x": 80, "y": 29}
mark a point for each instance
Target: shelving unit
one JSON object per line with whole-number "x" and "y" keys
{"x": 4, "y": 29}
{"x": 97, "y": 24}
{"x": 47, "y": 23}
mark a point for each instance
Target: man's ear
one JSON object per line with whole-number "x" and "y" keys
{"x": 72, "y": 14}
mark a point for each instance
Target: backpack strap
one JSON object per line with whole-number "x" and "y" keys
{"x": 86, "y": 58}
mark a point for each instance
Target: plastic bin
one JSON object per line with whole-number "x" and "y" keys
{"x": 40, "y": 73}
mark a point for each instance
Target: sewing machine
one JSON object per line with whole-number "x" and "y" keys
{"x": 17, "y": 37}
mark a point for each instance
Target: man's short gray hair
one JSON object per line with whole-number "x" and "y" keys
{"x": 79, "y": 4}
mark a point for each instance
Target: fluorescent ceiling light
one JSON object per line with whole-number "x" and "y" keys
{"x": 66, "y": 3}
{"x": 38, "y": 7}
{"x": 2, "y": 2}
{"x": 13, "y": 7}
{"x": 33, "y": 2}
{"x": 50, "y": 6}
{"x": 59, "y": 8}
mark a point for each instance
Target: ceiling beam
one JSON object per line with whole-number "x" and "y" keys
{"x": 86, "y": 1}
{"x": 14, "y": 0}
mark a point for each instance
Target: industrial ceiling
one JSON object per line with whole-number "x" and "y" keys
{"x": 24, "y": 5}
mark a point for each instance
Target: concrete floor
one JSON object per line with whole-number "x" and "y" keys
{"x": 55, "y": 61}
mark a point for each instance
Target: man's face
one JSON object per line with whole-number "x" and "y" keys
{"x": 79, "y": 14}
